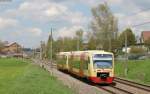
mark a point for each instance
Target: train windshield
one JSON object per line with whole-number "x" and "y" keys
{"x": 102, "y": 60}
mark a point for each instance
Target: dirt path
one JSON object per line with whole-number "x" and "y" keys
{"x": 78, "y": 86}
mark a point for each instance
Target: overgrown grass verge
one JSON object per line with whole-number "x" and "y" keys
{"x": 138, "y": 70}
{"x": 22, "y": 77}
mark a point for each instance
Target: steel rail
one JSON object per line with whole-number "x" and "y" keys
{"x": 122, "y": 90}
{"x": 107, "y": 90}
{"x": 112, "y": 92}
{"x": 133, "y": 84}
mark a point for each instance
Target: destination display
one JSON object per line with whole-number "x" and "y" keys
{"x": 102, "y": 57}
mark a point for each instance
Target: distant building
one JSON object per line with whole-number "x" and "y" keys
{"x": 128, "y": 49}
{"x": 145, "y": 35}
{"x": 11, "y": 48}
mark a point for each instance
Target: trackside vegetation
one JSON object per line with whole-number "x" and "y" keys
{"x": 22, "y": 77}
{"x": 138, "y": 70}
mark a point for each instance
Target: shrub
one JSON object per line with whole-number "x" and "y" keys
{"x": 137, "y": 50}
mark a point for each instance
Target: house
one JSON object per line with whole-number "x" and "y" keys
{"x": 11, "y": 48}
{"x": 145, "y": 35}
{"x": 128, "y": 49}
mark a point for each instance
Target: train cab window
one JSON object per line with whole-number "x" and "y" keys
{"x": 102, "y": 61}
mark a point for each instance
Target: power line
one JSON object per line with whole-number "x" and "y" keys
{"x": 135, "y": 13}
{"x": 132, "y": 14}
{"x": 141, "y": 24}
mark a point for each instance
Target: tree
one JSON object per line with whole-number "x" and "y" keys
{"x": 116, "y": 45}
{"x": 70, "y": 44}
{"x": 48, "y": 47}
{"x": 137, "y": 50}
{"x": 79, "y": 35}
{"x": 131, "y": 40}
{"x": 60, "y": 44}
{"x": 104, "y": 26}
{"x": 66, "y": 44}
{"x": 91, "y": 43}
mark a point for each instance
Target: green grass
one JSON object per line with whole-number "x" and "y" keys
{"x": 138, "y": 70}
{"x": 22, "y": 77}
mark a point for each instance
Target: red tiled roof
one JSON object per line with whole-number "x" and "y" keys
{"x": 145, "y": 35}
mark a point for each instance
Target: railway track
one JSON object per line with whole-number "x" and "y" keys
{"x": 114, "y": 90}
{"x": 117, "y": 89}
{"x": 123, "y": 86}
{"x": 133, "y": 84}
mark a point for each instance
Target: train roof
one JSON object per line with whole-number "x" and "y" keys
{"x": 64, "y": 53}
{"x": 99, "y": 51}
{"x": 88, "y": 51}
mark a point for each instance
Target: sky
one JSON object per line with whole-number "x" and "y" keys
{"x": 29, "y": 21}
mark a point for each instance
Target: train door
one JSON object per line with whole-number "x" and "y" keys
{"x": 82, "y": 65}
{"x": 67, "y": 60}
{"x": 89, "y": 66}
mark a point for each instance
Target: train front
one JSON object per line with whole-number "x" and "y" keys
{"x": 102, "y": 68}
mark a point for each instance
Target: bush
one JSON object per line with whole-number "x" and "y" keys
{"x": 137, "y": 50}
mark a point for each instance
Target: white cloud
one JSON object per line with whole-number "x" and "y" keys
{"x": 51, "y": 9}
{"x": 7, "y": 23}
{"x": 41, "y": 11}
{"x": 76, "y": 18}
{"x": 119, "y": 15}
{"x": 28, "y": 37}
{"x": 34, "y": 31}
{"x": 139, "y": 19}
{"x": 114, "y": 1}
{"x": 92, "y": 3}
{"x": 133, "y": 20}
{"x": 44, "y": 12}
{"x": 28, "y": 32}
{"x": 55, "y": 10}
{"x": 67, "y": 31}
{"x": 47, "y": 11}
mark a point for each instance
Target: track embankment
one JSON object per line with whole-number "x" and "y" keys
{"x": 76, "y": 85}
{"x": 120, "y": 86}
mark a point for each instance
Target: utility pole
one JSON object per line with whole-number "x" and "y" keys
{"x": 51, "y": 44}
{"x": 109, "y": 34}
{"x": 51, "y": 51}
{"x": 126, "y": 56}
{"x": 22, "y": 49}
{"x": 109, "y": 39}
{"x": 78, "y": 43}
{"x": 41, "y": 51}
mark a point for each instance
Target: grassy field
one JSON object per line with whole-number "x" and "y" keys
{"x": 138, "y": 70}
{"x": 22, "y": 77}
